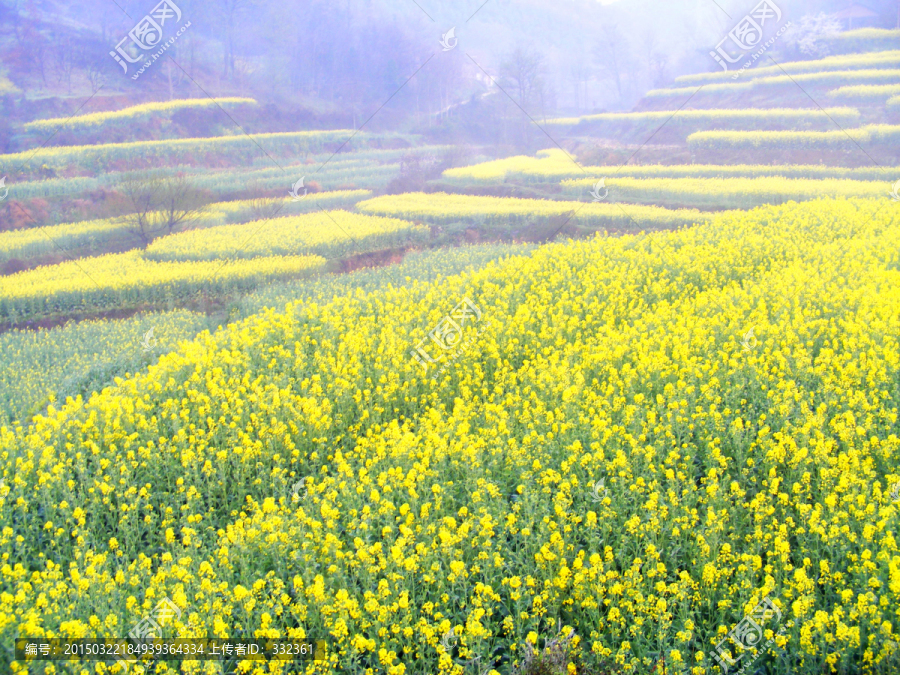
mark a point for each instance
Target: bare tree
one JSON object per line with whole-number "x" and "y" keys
{"x": 523, "y": 69}
{"x": 649, "y": 47}
{"x": 230, "y": 11}
{"x": 161, "y": 205}
{"x": 95, "y": 74}
{"x": 63, "y": 59}
{"x": 613, "y": 55}
{"x": 581, "y": 75}
{"x": 659, "y": 69}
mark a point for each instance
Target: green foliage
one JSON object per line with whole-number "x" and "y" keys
{"x": 533, "y": 219}
{"x": 333, "y": 234}
{"x": 97, "y": 121}
{"x": 44, "y": 366}
{"x": 129, "y": 281}
{"x": 373, "y": 168}
{"x": 724, "y": 193}
{"x": 238, "y": 149}
{"x": 247, "y": 210}
{"x": 679, "y": 124}
{"x": 551, "y": 166}
{"x": 417, "y": 267}
{"x": 870, "y": 136}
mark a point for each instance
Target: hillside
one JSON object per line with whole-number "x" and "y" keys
{"x": 409, "y": 352}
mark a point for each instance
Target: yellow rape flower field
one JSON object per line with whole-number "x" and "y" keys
{"x": 554, "y": 165}
{"x": 871, "y": 92}
{"x": 93, "y": 233}
{"x": 504, "y": 211}
{"x": 863, "y": 61}
{"x": 635, "y": 442}
{"x": 326, "y": 233}
{"x": 128, "y": 279}
{"x": 133, "y": 112}
{"x": 720, "y": 118}
{"x": 814, "y": 80}
{"x": 720, "y": 193}
{"x": 871, "y": 135}
{"x": 91, "y": 157}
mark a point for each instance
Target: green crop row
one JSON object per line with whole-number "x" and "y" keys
{"x": 870, "y": 136}
{"x": 873, "y": 60}
{"x": 253, "y": 209}
{"x": 128, "y": 280}
{"x": 331, "y": 234}
{"x": 680, "y": 124}
{"x": 97, "y": 236}
{"x": 417, "y": 267}
{"x": 782, "y": 82}
{"x": 507, "y": 214}
{"x": 370, "y": 168}
{"x": 554, "y": 165}
{"x": 334, "y": 176}
{"x": 239, "y": 149}
{"x": 722, "y": 193}
{"x": 48, "y": 366}
{"x": 866, "y": 94}
{"x": 142, "y": 111}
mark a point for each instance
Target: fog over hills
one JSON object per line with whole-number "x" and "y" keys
{"x": 351, "y": 57}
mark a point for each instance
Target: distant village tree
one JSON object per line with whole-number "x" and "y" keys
{"x": 613, "y": 57}
{"x": 523, "y": 69}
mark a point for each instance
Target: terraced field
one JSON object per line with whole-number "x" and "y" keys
{"x": 581, "y": 481}
{"x": 551, "y": 166}
{"x": 502, "y": 212}
{"x": 678, "y": 124}
{"x": 326, "y": 233}
{"x": 452, "y": 416}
